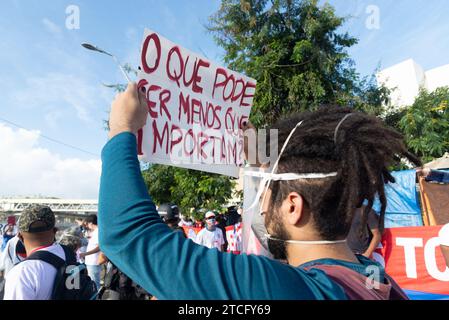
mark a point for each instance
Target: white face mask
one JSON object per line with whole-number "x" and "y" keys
{"x": 256, "y": 184}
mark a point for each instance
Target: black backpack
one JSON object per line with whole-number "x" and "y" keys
{"x": 72, "y": 281}
{"x": 118, "y": 286}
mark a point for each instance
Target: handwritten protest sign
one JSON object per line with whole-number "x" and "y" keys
{"x": 196, "y": 109}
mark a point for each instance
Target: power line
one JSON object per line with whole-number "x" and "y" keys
{"x": 50, "y": 139}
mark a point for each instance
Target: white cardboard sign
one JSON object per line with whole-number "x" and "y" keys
{"x": 196, "y": 109}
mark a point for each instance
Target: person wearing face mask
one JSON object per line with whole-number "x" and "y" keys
{"x": 331, "y": 162}
{"x": 211, "y": 236}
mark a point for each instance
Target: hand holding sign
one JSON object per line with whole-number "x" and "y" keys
{"x": 128, "y": 112}
{"x": 196, "y": 109}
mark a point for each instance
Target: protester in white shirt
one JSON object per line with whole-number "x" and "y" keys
{"x": 211, "y": 236}
{"x": 82, "y": 226}
{"x": 191, "y": 234}
{"x": 34, "y": 279}
{"x": 93, "y": 251}
{"x": 13, "y": 254}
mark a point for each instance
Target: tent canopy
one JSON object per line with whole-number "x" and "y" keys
{"x": 440, "y": 163}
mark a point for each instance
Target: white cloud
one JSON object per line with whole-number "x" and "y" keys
{"x": 52, "y": 27}
{"x": 59, "y": 91}
{"x": 28, "y": 170}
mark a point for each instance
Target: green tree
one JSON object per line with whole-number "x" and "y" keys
{"x": 189, "y": 189}
{"x": 425, "y": 124}
{"x": 296, "y": 53}
{"x": 159, "y": 179}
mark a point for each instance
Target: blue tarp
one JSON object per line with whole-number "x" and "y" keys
{"x": 402, "y": 220}
{"x": 401, "y": 195}
{"x": 418, "y": 295}
{"x": 402, "y": 204}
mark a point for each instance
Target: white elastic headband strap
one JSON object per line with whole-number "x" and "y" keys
{"x": 267, "y": 182}
{"x": 289, "y": 176}
{"x": 284, "y": 146}
{"x": 339, "y": 124}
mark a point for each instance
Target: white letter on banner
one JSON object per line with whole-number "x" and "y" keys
{"x": 431, "y": 260}
{"x": 409, "y": 245}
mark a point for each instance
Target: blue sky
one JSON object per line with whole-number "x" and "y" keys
{"x": 415, "y": 29}
{"x": 52, "y": 86}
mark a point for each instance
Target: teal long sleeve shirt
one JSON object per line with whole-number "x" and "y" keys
{"x": 169, "y": 266}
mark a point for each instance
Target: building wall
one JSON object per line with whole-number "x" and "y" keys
{"x": 406, "y": 79}
{"x": 438, "y": 77}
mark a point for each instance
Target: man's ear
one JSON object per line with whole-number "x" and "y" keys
{"x": 293, "y": 208}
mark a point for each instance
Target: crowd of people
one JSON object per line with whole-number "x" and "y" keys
{"x": 28, "y": 273}
{"x": 216, "y": 230}
{"x": 34, "y": 253}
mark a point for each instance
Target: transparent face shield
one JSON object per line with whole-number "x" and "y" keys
{"x": 256, "y": 183}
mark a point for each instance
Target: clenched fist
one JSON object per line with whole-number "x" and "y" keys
{"x": 128, "y": 112}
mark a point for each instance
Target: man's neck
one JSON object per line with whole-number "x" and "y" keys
{"x": 29, "y": 248}
{"x": 301, "y": 253}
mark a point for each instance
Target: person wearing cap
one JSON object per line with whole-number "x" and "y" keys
{"x": 72, "y": 242}
{"x": 171, "y": 216}
{"x": 211, "y": 236}
{"x": 34, "y": 279}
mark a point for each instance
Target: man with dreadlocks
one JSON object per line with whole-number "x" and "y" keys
{"x": 332, "y": 162}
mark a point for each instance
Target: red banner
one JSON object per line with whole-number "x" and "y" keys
{"x": 413, "y": 257}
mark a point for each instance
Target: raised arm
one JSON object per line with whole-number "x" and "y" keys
{"x": 163, "y": 262}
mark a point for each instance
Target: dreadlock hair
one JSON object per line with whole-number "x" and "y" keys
{"x": 360, "y": 151}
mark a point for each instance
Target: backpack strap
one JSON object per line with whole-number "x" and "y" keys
{"x": 48, "y": 257}
{"x": 396, "y": 292}
{"x": 70, "y": 256}
{"x": 354, "y": 284}
{"x": 54, "y": 260}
